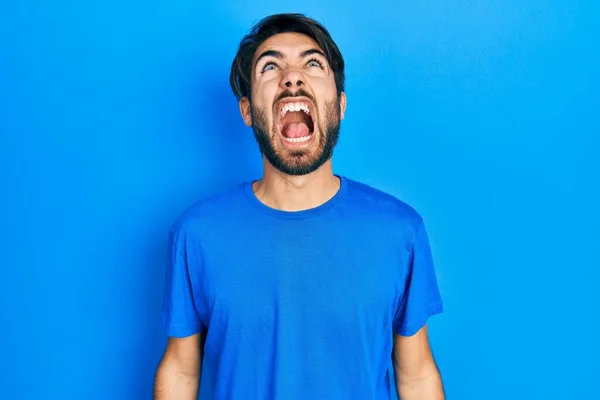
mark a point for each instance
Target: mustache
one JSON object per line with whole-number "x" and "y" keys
{"x": 298, "y": 93}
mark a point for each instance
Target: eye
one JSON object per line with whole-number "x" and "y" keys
{"x": 268, "y": 67}
{"x": 313, "y": 62}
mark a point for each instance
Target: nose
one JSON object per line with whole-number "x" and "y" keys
{"x": 292, "y": 78}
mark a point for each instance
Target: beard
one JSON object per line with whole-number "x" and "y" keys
{"x": 298, "y": 162}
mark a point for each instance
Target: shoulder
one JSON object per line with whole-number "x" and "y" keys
{"x": 384, "y": 207}
{"x": 213, "y": 209}
{"x": 373, "y": 199}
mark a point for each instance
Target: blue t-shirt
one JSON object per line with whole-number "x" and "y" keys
{"x": 299, "y": 305}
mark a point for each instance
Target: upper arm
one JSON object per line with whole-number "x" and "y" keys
{"x": 185, "y": 354}
{"x": 412, "y": 354}
{"x": 421, "y": 296}
{"x": 183, "y": 301}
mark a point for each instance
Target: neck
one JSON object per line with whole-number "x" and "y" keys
{"x": 296, "y": 193}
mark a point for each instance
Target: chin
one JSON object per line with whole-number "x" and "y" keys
{"x": 296, "y": 157}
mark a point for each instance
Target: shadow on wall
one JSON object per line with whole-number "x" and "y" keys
{"x": 218, "y": 152}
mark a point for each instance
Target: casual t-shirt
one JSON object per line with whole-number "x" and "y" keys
{"x": 299, "y": 305}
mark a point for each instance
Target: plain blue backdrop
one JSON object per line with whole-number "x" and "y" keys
{"x": 483, "y": 115}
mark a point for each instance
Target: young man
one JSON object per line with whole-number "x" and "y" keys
{"x": 303, "y": 284}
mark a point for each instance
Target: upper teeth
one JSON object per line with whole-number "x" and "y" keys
{"x": 294, "y": 107}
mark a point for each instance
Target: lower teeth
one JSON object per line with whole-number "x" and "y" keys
{"x": 298, "y": 140}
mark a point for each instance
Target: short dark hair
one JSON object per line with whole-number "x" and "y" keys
{"x": 241, "y": 68}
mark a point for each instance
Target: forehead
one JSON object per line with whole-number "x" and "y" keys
{"x": 290, "y": 44}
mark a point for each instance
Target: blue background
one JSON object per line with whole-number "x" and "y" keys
{"x": 483, "y": 115}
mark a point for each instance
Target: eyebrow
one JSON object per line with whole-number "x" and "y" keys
{"x": 268, "y": 53}
{"x": 279, "y": 55}
{"x": 309, "y": 52}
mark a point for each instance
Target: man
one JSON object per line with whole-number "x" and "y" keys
{"x": 303, "y": 285}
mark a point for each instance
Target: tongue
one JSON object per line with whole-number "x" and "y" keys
{"x": 296, "y": 130}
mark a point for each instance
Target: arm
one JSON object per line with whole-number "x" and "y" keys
{"x": 416, "y": 373}
{"x": 178, "y": 373}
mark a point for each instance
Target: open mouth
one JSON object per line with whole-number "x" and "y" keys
{"x": 295, "y": 121}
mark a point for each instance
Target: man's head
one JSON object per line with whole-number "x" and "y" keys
{"x": 288, "y": 76}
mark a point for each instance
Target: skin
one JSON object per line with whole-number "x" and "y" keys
{"x": 276, "y": 78}
{"x": 417, "y": 375}
{"x": 178, "y": 373}
{"x": 292, "y": 73}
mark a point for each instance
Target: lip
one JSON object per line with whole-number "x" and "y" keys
{"x": 296, "y": 145}
{"x": 311, "y": 109}
{"x": 287, "y": 100}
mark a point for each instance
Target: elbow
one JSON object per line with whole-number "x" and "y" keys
{"x": 173, "y": 366}
{"x": 424, "y": 382}
{"x": 423, "y": 370}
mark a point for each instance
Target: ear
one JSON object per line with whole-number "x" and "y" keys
{"x": 245, "y": 111}
{"x": 342, "y": 104}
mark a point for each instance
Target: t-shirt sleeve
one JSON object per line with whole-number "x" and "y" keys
{"x": 179, "y": 314}
{"x": 421, "y": 298}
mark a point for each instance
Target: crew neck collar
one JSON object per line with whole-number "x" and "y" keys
{"x": 302, "y": 214}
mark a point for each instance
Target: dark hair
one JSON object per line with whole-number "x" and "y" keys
{"x": 241, "y": 68}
